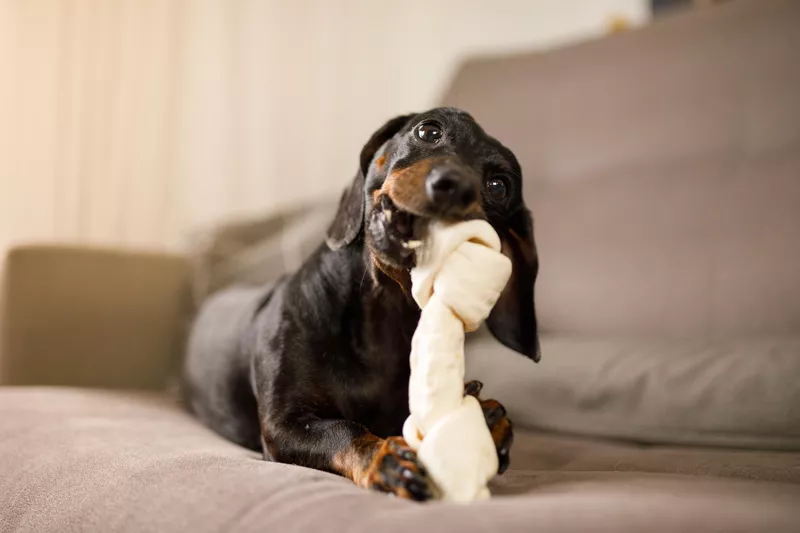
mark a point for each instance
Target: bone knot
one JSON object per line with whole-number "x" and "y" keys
{"x": 459, "y": 276}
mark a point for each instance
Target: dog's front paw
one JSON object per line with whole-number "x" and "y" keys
{"x": 499, "y": 424}
{"x": 396, "y": 469}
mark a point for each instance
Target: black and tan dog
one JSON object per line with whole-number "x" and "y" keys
{"x": 314, "y": 369}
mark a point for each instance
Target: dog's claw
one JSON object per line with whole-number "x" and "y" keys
{"x": 396, "y": 470}
{"x": 473, "y": 388}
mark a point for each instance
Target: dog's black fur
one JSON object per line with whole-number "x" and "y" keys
{"x": 314, "y": 369}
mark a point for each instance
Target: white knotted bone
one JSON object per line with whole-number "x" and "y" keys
{"x": 459, "y": 276}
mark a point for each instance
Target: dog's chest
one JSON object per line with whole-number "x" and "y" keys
{"x": 375, "y": 392}
{"x": 374, "y": 386}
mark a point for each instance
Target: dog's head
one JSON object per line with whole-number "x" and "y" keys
{"x": 442, "y": 165}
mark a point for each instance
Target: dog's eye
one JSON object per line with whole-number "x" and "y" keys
{"x": 497, "y": 189}
{"x": 429, "y": 131}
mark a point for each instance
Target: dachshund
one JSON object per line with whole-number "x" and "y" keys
{"x": 313, "y": 369}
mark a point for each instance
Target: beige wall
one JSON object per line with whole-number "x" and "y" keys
{"x": 132, "y": 121}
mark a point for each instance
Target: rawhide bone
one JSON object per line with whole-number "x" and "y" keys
{"x": 458, "y": 278}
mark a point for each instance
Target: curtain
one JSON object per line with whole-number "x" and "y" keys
{"x": 133, "y": 122}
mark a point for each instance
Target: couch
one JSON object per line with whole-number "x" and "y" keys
{"x": 662, "y": 166}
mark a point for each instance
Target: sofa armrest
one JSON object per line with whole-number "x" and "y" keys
{"x": 92, "y": 317}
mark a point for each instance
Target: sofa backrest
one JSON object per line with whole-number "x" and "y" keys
{"x": 662, "y": 167}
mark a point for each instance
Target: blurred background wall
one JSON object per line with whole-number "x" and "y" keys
{"x": 131, "y": 122}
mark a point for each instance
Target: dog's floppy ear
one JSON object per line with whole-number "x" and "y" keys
{"x": 349, "y": 218}
{"x": 513, "y": 319}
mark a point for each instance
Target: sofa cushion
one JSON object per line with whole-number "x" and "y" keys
{"x": 92, "y": 317}
{"x": 78, "y": 460}
{"x": 735, "y": 392}
{"x": 257, "y": 250}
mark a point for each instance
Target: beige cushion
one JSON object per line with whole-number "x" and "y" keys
{"x": 739, "y": 393}
{"x": 75, "y": 460}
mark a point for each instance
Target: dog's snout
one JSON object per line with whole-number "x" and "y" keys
{"x": 451, "y": 190}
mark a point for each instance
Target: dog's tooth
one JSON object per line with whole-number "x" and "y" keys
{"x": 413, "y": 244}
{"x": 388, "y": 214}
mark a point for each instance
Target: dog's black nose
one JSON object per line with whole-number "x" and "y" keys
{"x": 451, "y": 190}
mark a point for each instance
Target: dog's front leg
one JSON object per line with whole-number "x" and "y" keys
{"x": 350, "y": 450}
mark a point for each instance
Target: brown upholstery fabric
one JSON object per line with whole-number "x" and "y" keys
{"x": 76, "y": 460}
{"x": 662, "y": 168}
{"x": 92, "y": 317}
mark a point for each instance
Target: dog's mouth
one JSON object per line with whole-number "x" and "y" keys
{"x": 407, "y": 226}
{"x": 395, "y": 234}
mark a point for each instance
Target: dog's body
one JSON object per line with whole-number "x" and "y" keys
{"x": 314, "y": 369}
